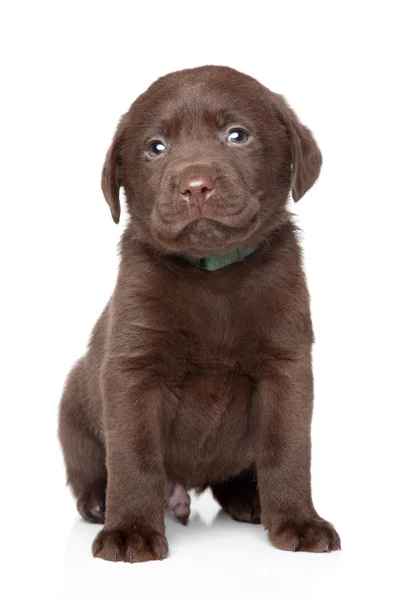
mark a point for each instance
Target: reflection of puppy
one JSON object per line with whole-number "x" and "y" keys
{"x": 198, "y": 372}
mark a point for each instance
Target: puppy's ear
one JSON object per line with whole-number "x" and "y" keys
{"x": 306, "y": 156}
{"x": 111, "y": 177}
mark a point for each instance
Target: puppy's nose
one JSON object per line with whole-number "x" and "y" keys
{"x": 197, "y": 189}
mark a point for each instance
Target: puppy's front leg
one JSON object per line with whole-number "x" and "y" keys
{"x": 283, "y": 452}
{"x": 135, "y": 435}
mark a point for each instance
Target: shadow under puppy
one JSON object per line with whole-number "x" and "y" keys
{"x": 198, "y": 373}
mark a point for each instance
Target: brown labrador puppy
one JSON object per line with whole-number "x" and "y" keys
{"x": 198, "y": 372}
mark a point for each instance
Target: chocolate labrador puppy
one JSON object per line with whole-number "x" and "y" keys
{"x": 198, "y": 373}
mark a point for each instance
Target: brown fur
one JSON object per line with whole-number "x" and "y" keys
{"x": 194, "y": 377}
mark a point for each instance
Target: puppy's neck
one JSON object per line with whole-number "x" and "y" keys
{"x": 219, "y": 261}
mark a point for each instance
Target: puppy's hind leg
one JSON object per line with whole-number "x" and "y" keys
{"x": 84, "y": 453}
{"x": 239, "y": 496}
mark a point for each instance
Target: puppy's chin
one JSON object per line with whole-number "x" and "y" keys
{"x": 206, "y": 237}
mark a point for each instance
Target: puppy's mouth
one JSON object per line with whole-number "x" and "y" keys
{"x": 206, "y": 236}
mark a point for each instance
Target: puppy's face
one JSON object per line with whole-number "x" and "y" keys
{"x": 207, "y": 158}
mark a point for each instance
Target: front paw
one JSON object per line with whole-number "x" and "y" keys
{"x": 130, "y": 545}
{"x": 313, "y": 535}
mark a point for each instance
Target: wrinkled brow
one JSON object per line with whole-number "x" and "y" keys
{"x": 186, "y": 117}
{"x": 224, "y": 118}
{"x": 153, "y": 125}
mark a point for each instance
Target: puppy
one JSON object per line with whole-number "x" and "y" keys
{"x": 198, "y": 373}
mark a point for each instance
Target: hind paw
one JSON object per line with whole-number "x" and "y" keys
{"x": 91, "y": 505}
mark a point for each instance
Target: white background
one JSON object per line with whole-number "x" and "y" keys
{"x": 68, "y": 71}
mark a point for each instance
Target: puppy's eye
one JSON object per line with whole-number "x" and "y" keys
{"x": 156, "y": 148}
{"x": 238, "y": 136}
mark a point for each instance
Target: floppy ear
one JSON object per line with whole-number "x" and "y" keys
{"x": 306, "y": 156}
{"x": 111, "y": 177}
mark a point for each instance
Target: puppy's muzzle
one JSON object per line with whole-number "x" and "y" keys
{"x": 197, "y": 189}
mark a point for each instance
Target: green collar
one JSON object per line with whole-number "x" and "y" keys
{"x": 218, "y": 261}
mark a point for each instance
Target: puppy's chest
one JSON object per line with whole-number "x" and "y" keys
{"x": 209, "y": 398}
{"x": 210, "y": 420}
{"x": 191, "y": 356}
{"x": 207, "y": 375}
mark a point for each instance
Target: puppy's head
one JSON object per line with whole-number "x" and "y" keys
{"x": 207, "y": 158}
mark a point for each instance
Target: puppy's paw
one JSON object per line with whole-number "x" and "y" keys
{"x": 91, "y": 505}
{"x": 314, "y": 535}
{"x": 244, "y": 510}
{"x": 136, "y": 545}
{"x": 239, "y": 497}
{"x": 177, "y": 500}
